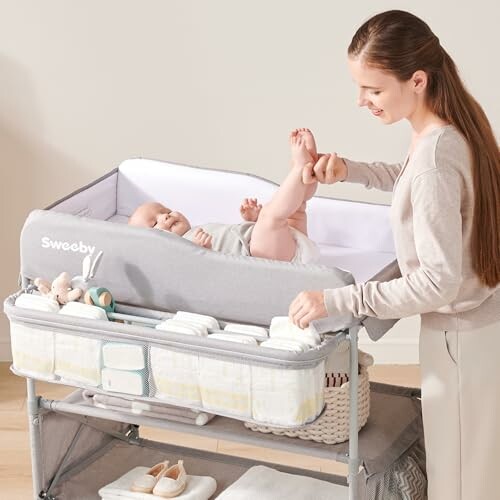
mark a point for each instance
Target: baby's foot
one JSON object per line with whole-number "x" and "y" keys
{"x": 309, "y": 141}
{"x": 250, "y": 209}
{"x": 304, "y": 152}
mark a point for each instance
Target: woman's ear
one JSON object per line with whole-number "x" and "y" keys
{"x": 419, "y": 81}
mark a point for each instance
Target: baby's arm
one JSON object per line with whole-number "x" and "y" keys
{"x": 202, "y": 238}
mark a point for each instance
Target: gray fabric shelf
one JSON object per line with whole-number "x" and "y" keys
{"x": 393, "y": 426}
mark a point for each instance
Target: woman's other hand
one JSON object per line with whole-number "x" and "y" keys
{"x": 328, "y": 169}
{"x": 306, "y": 307}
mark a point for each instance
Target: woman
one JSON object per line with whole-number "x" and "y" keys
{"x": 445, "y": 215}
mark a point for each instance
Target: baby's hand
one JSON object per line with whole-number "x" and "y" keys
{"x": 250, "y": 209}
{"x": 203, "y": 239}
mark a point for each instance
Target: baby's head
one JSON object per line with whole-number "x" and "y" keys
{"x": 156, "y": 215}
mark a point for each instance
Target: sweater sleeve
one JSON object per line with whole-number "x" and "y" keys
{"x": 372, "y": 175}
{"x": 437, "y": 228}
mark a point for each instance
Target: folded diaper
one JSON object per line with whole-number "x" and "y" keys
{"x": 175, "y": 375}
{"x": 32, "y": 351}
{"x": 83, "y": 311}
{"x": 37, "y": 302}
{"x": 197, "y": 487}
{"x": 287, "y": 397}
{"x": 255, "y": 331}
{"x": 128, "y": 382}
{"x": 123, "y": 356}
{"x": 226, "y": 386}
{"x": 282, "y": 327}
{"x": 230, "y": 337}
{"x": 78, "y": 359}
{"x": 181, "y": 326}
{"x": 208, "y": 321}
{"x": 264, "y": 483}
{"x": 294, "y": 345}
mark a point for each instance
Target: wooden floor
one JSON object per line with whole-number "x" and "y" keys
{"x": 15, "y": 468}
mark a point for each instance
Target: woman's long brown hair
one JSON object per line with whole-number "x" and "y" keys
{"x": 401, "y": 43}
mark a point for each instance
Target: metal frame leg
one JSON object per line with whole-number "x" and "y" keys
{"x": 353, "y": 416}
{"x": 33, "y": 405}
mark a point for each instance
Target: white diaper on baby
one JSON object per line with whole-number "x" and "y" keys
{"x": 287, "y": 397}
{"x": 175, "y": 375}
{"x": 282, "y": 327}
{"x": 307, "y": 251}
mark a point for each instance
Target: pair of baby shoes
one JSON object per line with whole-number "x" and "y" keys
{"x": 162, "y": 480}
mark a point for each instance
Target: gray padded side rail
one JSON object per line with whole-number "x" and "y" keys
{"x": 158, "y": 270}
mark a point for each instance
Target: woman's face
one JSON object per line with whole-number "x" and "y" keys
{"x": 382, "y": 93}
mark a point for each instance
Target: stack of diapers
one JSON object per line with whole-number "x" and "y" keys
{"x": 287, "y": 397}
{"x": 257, "y": 332}
{"x": 125, "y": 368}
{"x": 282, "y": 328}
{"x": 226, "y": 385}
{"x": 197, "y": 488}
{"x": 33, "y": 348}
{"x": 175, "y": 374}
{"x": 79, "y": 359}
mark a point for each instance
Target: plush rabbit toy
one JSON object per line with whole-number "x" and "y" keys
{"x": 89, "y": 268}
{"x": 60, "y": 289}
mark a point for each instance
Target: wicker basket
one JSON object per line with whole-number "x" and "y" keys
{"x": 333, "y": 425}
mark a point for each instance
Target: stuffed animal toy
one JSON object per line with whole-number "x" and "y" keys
{"x": 60, "y": 289}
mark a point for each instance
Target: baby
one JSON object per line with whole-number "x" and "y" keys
{"x": 277, "y": 230}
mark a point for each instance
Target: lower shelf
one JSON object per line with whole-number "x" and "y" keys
{"x": 117, "y": 458}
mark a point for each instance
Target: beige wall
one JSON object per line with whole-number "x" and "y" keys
{"x": 86, "y": 84}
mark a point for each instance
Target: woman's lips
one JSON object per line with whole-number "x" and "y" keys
{"x": 376, "y": 112}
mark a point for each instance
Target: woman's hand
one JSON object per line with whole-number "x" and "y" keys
{"x": 328, "y": 169}
{"x": 306, "y": 307}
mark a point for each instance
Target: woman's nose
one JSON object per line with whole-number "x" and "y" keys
{"x": 362, "y": 101}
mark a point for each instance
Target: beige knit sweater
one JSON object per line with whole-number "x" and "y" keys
{"x": 431, "y": 217}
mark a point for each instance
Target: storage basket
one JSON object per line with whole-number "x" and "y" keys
{"x": 333, "y": 425}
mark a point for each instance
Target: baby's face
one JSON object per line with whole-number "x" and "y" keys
{"x": 159, "y": 217}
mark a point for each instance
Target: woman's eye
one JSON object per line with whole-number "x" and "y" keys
{"x": 376, "y": 92}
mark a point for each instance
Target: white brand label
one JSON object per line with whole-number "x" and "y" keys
{"x": 67, "y": 246}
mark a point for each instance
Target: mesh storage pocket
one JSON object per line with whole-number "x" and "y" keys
{"x": 132, "y": 357}
{"x": 333, "y": 425}
{"x": 32, "y": 351}
{"x": 175, "y": 376}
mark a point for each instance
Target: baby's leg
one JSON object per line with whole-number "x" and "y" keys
{"x": 272, "y": 237}
{"x": 298, "y": 220}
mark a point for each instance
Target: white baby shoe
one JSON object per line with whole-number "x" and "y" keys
{"x": 172, "y": 482}
{"x": 146, "y": 482}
